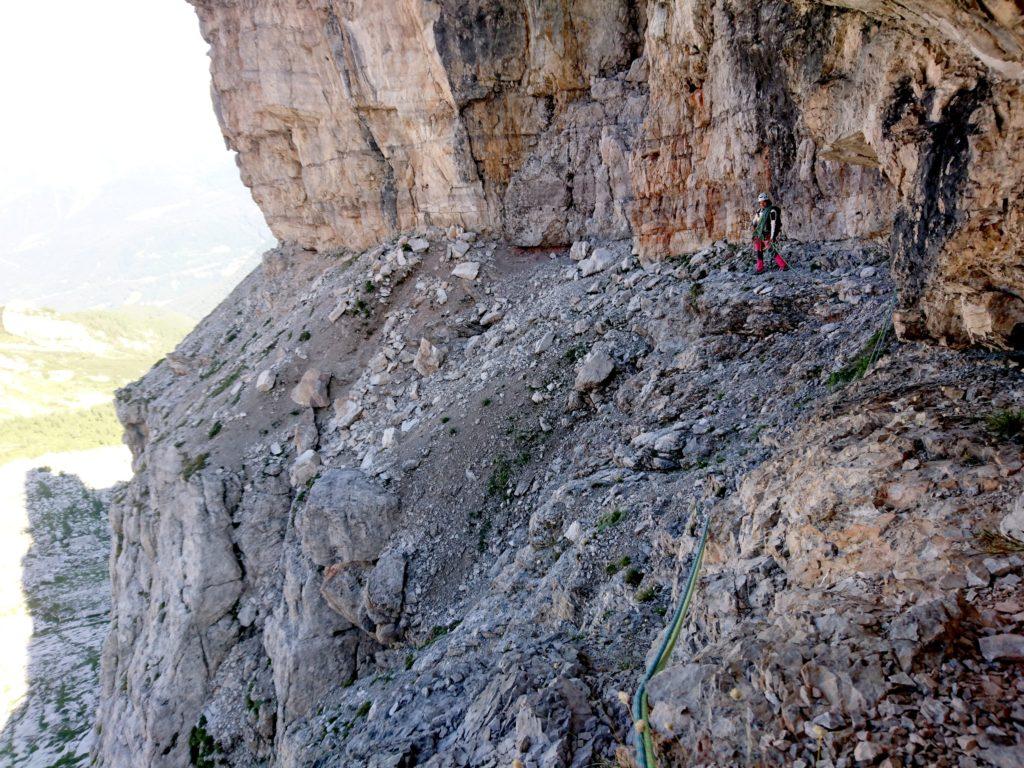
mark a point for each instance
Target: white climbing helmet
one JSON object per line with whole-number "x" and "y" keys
{"x": 763, "y": 197}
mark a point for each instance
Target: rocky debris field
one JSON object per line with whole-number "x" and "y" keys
{"x": 64, "y": 576}
{"x": 431, "y": 505}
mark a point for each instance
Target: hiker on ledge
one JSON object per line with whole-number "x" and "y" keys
{"x": 767, "y": 228}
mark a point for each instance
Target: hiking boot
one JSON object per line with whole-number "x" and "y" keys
{"x": 759, "y": 268}
{"x": 780, "y": 263}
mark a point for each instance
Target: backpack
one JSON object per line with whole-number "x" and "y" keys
{"x": 775, "y": 213}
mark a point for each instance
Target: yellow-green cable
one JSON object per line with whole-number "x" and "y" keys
{"x": 644, "y": 742}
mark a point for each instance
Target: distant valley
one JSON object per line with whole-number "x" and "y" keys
{"x": 58, "y": 372}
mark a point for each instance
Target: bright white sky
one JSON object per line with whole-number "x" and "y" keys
{"x": 94, "y": 89}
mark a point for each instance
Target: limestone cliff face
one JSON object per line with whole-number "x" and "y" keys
{"x": 554, "y": 121}
{"x": 419, "y": 493}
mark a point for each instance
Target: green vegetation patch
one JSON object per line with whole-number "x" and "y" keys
{"x": 856, "y": 368}
{"x": 633, "y": 577}
{"x": 202, "y": 747}
{"x": 440, "y": 631}
{"x": 996, "y": 543}
{"x": 226, "y": 382}
{"x": 646, "y": 594}
{"x": 612, "y": 568}
{"x": 501, "y": 477}
{"x": 192, "y": 466}
{"x": 609, "y": 519}
{"x": 1007, "y": 424}
{"x": 25, "y": 437}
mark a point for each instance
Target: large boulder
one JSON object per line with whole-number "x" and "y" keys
{"x": 596, "y": 369}
{"x": 311, "y": 391}
{"x": 385, "y": 587}
{"x": 347, "y": 518}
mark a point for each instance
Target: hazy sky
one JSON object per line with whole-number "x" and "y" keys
{"x": 94, "y": 88}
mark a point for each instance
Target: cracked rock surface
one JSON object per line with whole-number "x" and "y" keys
{"x": 484, "y": 554}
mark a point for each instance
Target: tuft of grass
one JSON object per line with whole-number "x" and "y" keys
{"x": 501, "y": 477}
{"x": 409, "y": 658}
{"x": 214, "y": 430}
{"x": 440, "y": 630}
{"x": 201, "y": 746}
{"x": 486, "y": 401}
{"x": 445, "y": 419}
{"x": 576, "y": 352}
{"x": 364, "y": 709}
{"x": 609, "y": 519}
{"x": 482, "y": 536}
{"x": 646, "y": 594}
{"x": 996, "y": 543}
{"x": 369, "y": 287}
{"x": 633, "y": 577}
{"x": 856, "y": 368}
{"x": 211, "y": 369}
{"x": 194, "y": 465}
{"x": 612, "y": 568}
{"x": 226, "y": 382}
{"x": 1007, "y": 424}
{"x": 304, "y": 336}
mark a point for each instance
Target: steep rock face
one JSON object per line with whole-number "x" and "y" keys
{"x": 554, "y": 121}
{"x": 479, "y": 553}
{"x": 356, "y": 120}
{"x": 389, "y": 503}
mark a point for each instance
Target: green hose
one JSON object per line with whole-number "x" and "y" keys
{"x": 644, "y": 742}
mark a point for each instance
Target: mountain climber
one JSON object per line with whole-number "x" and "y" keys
{"x": 767, "y": 223}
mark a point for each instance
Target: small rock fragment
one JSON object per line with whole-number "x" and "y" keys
{"x": 266, "y": 380}
{"x": 598, "y": 261}
{"x": 305, "y": 468}
{"x": 866, "y": 750}
{"x": 428, "y": 358}
{"x": 467, "y": 270}
{"x": 597, "y": 367}
{"x": 1008, "y": 647}
{"x": 346, "y": 412}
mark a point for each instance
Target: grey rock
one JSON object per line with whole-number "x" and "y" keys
{"x": 311, "y": 391}
{"x": 1006, "y": 647}
{"x": 598, "y": 261}
{"x": 305, "y": 468}
{"x": 596, "y": 369}
{"x": 467, "y": 270}
{"x": 347, "y": 518}
{"x": 428, "y": 358}
{"x": 265, "y": 381}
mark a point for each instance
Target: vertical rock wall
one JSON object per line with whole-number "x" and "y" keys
{"x": 554, "y": 121}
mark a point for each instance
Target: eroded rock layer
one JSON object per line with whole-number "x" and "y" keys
{"x": 552, "y": 121}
